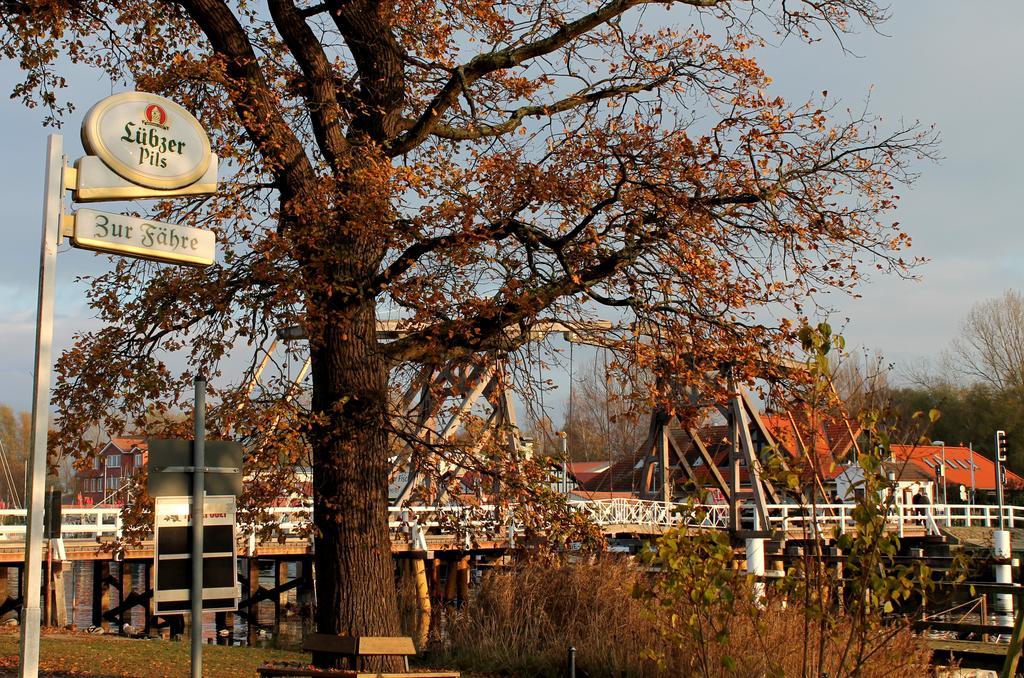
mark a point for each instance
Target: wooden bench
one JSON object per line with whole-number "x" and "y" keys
{"x": 354, "y": 649}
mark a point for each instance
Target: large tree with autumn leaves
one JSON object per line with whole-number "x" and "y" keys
{"x": 475, "y": 166}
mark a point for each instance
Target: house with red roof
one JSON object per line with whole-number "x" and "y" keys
{"x": 964, "y": 468}
{"x": 907, "y": 480}
{"x": 105, "y": 481}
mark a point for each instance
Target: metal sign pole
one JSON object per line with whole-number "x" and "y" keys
{"x": 198, "y": 506}
{"x": 53, "y": 200}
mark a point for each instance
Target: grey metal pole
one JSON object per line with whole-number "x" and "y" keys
{"x": 198, "y": 501}
{"x": 53, "y": 201}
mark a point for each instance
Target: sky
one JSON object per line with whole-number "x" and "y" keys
{"x": 950, "y": 63}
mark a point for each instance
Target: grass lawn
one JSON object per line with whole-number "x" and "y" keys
{"x": 73, "y": 654}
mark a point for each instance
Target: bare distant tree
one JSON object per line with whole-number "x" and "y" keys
{"x": 15, "y": 434}
{"x": 990, "y": 348}
{"x": 861, "y": 380}
{"x": 598, "y": 418}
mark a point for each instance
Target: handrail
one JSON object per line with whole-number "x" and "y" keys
{"x": 417, "y": 521}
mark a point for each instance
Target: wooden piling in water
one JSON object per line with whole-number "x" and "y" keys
{"x": 100, "y": 592}
{"x": 127, "y": 588}
{"x": 60, "y": 608}
{"x": 281, "y": 599}
{"x": 436, "y": 592}
{"x": 225, "y": 625}
{"x": 451, "y": 590}
{"x": 462, "y": 581}
{"x": 21, "y": 588}
{"x": 47, "y": 589}
{"x": 304, "y": 593}
{"x": 254, "y": 585}
{"x": 147, "y": 569}
{"x": 419, "y": 572}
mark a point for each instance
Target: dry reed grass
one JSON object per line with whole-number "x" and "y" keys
{"x": 523, "y": 620}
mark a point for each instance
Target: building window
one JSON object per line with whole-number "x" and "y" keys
{"x": 114, "y": 461}
{"x": 138, "y": 460}
{"x": 112, "y": 483}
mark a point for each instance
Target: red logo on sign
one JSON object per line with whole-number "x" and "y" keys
{"x": 156, "y": 115}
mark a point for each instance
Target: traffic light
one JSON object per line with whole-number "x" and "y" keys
{"x": 1001, "y": 445}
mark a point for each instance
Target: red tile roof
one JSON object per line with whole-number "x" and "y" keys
{"x": 828, "y": 440}
{"x": 583, "y": 471}
{"x": 128, "y": 443}
{"x": 594, "y": 495}
{"x": 958, "y": 465}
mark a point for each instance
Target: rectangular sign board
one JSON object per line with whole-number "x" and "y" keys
{"x": 168, "y": 457}
{"x": 142, "y": 238}
{"x": 398, "y": 484}
{"x": 96, "y": 182}
{"x": 173, "y": 563}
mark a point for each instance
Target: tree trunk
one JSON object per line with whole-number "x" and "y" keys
{"x": 355, "y": 583}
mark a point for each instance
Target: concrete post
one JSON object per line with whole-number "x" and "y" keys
{"x": 1001, "y": 551}
{"x": 755, "y": 565}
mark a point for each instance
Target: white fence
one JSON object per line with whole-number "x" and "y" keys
{"x": 827, "y": 517}
{"x": 418, "y": 522}
{"x": 76, "y": 523}
{"x": 822, "y": 519}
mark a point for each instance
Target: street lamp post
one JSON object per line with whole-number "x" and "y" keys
{"x": 565, "y": 461}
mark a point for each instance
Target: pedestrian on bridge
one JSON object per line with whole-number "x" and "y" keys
{"x": 920, "y": 502}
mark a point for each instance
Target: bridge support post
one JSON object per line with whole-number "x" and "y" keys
{"x": 281, "y": 599}
{"x": 755, "y": 565}
{"x": 252, "y": 612}
{"x": 451, "y": 582}
{"x": 147, "y": 573}
{"x": 1002, "y": 553}
{"x": 418, "y": 569}
{"x": 100, "y": 592}
{"x": 462, "y": 581}
{"x": 60, "y": 608}
{"x": 304, "y": 593}
{"x": 434, "y": 579}
{"x": 127, "y": 588}
{"x": 225, "y": 625}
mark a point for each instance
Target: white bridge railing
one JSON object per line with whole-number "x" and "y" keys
{"x": 825, "y": 518}
{"x": 76, "y": 523}
{"x": 822, "y": 519}
{"x": 418, "y": 522}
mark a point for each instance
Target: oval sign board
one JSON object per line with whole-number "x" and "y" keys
{"x": 147, "y": 139}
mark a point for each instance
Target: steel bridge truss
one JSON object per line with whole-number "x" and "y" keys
{"x": 440, "y": 404}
